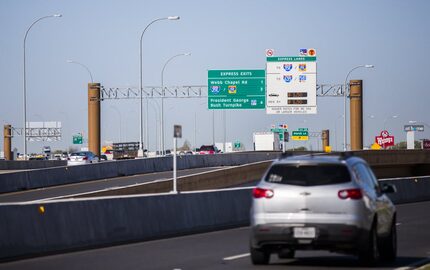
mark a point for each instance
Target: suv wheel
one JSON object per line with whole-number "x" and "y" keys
{"x": 259, "y": 256}
{"x": 369, "y": 255}
{"x": 389, "y": 244}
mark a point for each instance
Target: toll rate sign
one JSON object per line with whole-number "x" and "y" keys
{"x": 236, "y": 89}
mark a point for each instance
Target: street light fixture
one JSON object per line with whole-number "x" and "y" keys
{"x": 25, "y": 82}
{"x": 140, "y": 152}
{"x": 162, "y": 97}
{"x": 344, "y": 102}
{"x": 89, "y": 72}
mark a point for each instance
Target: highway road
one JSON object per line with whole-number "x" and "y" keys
{"x": 228, "y": 249}
{"x": 96, "y": 185}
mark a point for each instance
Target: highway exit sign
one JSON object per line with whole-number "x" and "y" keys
{"x": 77, "y": 139}
{"x": 236, "y": 89}
{"x": 300, "y": 135}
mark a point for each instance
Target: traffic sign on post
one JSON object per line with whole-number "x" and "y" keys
{"x": 236, "y": 89}
{"x": 291, "y": 85}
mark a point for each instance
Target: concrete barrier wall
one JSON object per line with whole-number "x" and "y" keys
{"x": 83, "y": 223}
{"x": 385, "y": 164}
{"x": 222, "y": 178}
{"x": 16, "y": 181}
{"x": 30, "y": 164}
{"x": 89, "y": 223}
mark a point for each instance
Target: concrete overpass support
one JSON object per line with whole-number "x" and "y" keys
{"x": 325, "y": 136}
{"x": 94, "y": 118}
{"x": 7, "y": 142}
{"x": 356, "y": 109}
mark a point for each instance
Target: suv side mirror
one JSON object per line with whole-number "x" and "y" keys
{"x": 389, "y": 188}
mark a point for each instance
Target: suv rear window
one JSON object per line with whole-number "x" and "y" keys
{"x": 308, "y": 175}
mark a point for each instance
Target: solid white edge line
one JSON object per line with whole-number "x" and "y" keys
{"x": 236, "y": 257}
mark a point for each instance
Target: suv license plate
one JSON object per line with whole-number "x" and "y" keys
{"x": 306, "y": 232}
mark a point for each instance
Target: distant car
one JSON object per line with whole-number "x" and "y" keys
{"x": 83, "y": 157}
{"x": 208, "y": 150}
{"x": 332, "y": 203}
{"x": 168, "y": 153}
{"x": 103, "y": 157}
{"x": 186, "y": 153}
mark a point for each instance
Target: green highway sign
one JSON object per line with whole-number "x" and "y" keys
{"x": 281, "y": 132}
{"x": 236, "y": 89}
{"x": 278, "y": 130}
{"x": 77, "y": 139}
{"x": 300, "y": 133}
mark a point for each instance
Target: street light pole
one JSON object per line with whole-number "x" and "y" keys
{"x": 89, "y": 72}
{"x": 162, "y": 97}
{"x": 140, "y": 152}
{"x": 157, "y": 125}
{"x": 344, "y": 102}
{"x": 25, "y": 83}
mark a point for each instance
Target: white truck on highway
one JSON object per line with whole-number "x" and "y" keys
{"x": 266, "y": 141}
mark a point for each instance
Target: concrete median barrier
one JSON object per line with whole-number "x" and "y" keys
{"x": 30, "y": 164}
{"x": 29, "y": 229}
{"x": 384, "y": 163}
{"x": 39, "y": 178}
{"x": 33, "y": 229}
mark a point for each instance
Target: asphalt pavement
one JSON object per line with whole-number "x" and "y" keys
{"x": 228, "y": 249}
{"x": 96, "y": 185}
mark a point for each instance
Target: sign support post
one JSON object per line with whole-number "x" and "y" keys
{"x": 177, "y": 133}
{"x": 175, "y": 189}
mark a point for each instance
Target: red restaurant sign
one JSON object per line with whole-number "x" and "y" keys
{"x": 385, "y": 139}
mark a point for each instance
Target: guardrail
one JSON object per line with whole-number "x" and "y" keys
{"x": 35, "y": 228}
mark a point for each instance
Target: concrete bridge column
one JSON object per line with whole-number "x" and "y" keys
{"x": 325, "y": 136}
{"x": 356, "y": 109}
{"x": 94, "y": 118}
{"x": 7, "y": 142}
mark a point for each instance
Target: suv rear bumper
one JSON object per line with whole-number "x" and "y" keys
{"x": 334, "y": 237}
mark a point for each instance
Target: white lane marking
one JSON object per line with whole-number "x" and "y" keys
{"x": 398, "y": 224}
{"x": 236, "y": 257}
{"x": 415, "y": 264}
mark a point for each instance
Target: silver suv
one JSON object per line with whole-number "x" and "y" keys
{"x": 331, "y": 203}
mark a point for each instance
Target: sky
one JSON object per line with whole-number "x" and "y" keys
{"x": 104, "y": 35}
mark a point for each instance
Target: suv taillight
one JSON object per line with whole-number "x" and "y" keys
{"x": 354, "y": 194}
{"x": 85, "y": 158}
{"x": 262, "y": 193}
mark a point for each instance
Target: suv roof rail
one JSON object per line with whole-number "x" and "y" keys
{"x": 346, "y": 155}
